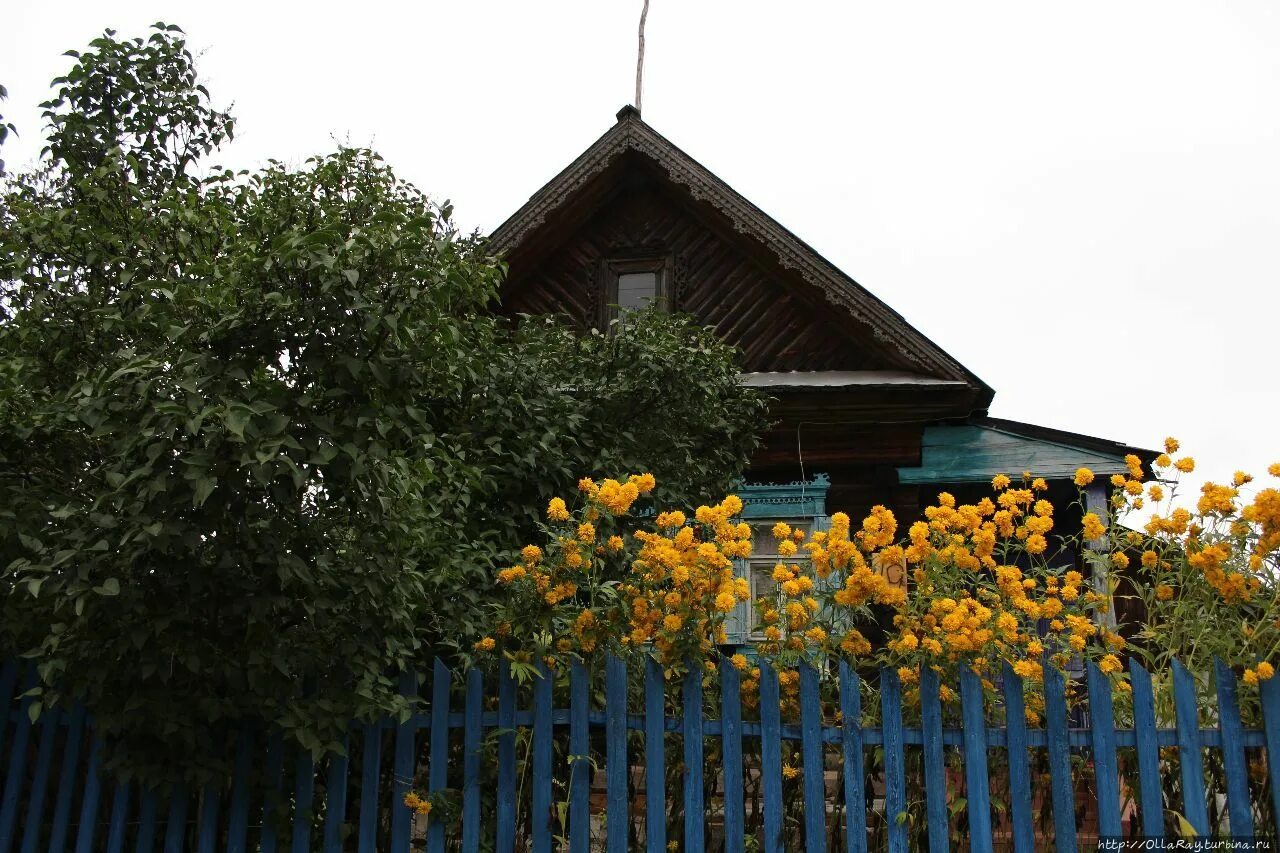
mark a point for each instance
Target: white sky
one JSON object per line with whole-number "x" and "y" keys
{"x": 1080, "y": 202}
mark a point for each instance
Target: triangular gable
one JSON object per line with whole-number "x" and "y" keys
{"x": 887, "y": 329}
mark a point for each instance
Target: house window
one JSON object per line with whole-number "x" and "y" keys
{"x": 764, "y": 558}
{"x": 633, "y": 284}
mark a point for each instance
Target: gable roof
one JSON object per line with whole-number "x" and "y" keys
{"x": 632, "y": 134}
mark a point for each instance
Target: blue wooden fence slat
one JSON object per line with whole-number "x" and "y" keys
{"x": 67, "y": 781}
{"x": 655, "y": 798}
{"x": 1102, "y": 724}
{"x": 615, "y": 701}
{"x": 1189, "y": 757}
{"x": 304, "y": 788}
{"x": 694, "y": 840}
{"x": 273, "y": 797}
{"x": 438, "y": 769}
{"x": 402, "y": 772}
{"x": 210, "y": 804}
{"x": 855, "y": 803}
{"x": 119, "y": 818}
{"x": 335, "y": 795}
{"x": 580, "y": 764}
{"x": 1015, "y": 720}
{"x": 175, "y": 825}
{"x": 731, "y": 755}
{"x": 771, "y": 757}
{"x": 150, "y": 808}
{"x": 89, "y": 805}
{"x": 506, "y": 802}
{"x": 238, "y": 810}
{"x": 1150, "y": 798}
{"x": 370, "y": 769}
{"x": 1233, "y": 761}
{"x": 815, "y": 824}
{"x": 895, "y": 797}
{"x": 1270, "y": 694}
{"x": 16, "y": 776}
{"x": 977, "y": 779}
{"x": 49, "y": 724}
{"x": 935, "y": 776}
{"x": 471, "y": 738}
{"x": 541, "y": 815}
{"x": 1061, "y": 789}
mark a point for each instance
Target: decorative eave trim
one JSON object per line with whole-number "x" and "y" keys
{"x": 633, "y": 134}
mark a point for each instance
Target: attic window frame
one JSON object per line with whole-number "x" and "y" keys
{"x": 612, "y": 268}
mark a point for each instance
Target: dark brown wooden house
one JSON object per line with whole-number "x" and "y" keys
{"x": 869, "y": 410}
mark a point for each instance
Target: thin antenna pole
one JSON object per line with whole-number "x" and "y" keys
{"x": 644, "y": 13}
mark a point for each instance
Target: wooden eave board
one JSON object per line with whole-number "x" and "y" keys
{"x": 968, "y": 453}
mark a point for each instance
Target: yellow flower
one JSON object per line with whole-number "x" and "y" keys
{"x": 1250, "y": 677}
{"x": 725, "y": 602}
{"x": 1265, "y": 670}
{"x": 1164, "y": 592}
{"x": 1083, "y": 477}
{"x": 486, "y": 645}
{"x": 1171, "y": 445}
{"x": 1274, "y": 469}
{"x": 531, "y": 554}
{"x": 1156, "y": 493}
{"x": 1000, "y": 482}
{"x": 1109, "y": 664}
{"x": 739, "y": 662}
{"x": 1092, "y": 526}
{"x": 1186, "y": 464}
{"x": 615, "y": 543}
{"x": 586, "y": 532}
{"x": 1163, "y": 461}
{"x": 1039, "y": 485}
{"x": 672, "y": 622}
{"x": 511, "y": 575}
{"x": 790, "y": 772}
{"x": 1120, "y": 560}
{"x": 556, "y": 510}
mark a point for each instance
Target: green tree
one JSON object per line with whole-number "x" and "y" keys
{"x": 263, "y": 442}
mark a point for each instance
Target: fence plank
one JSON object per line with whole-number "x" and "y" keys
{"x": 304, "y": 789}
{"x": 1189, "y": 757}
{"x": 175, "y": 825}
{"x": 977, "y": 778}
{"x": 402, "y": 771}
{"x": 935, "y": 776}
{"x": 89, "y": 805}
{"x": 541, "y": 814}
{"x": 119, "y": 818}
{"x": 855, "y": 798}
{"x": 210, "y": 803}
{"x": 615, "y": 709}
{"x": 895, "y": 800}
{"x": 1015, "y": 721}
{"x": 146, "y": 842}
{"x": 731, "y": 754}
{"x": 506, "y": 805}
{"x": 1233, "y": 761}
{"x": 335, "y": 795}
{"x": 438, "y": 768}
{"x": 771, "y": 757}
{"x": 1063, "y": 795}
{"x": 67, "y": 780}
{"x": 49, "y": 724}
{"x": 1102, "y": 724}
{"x": 1270, "y": 692}
{"x": 16, "y": 776}
{"x": 655, "y": 798}
{"x": 1150, "y": 797}
{"x": 815, "y": 824}
{"x": 273, "y": 797}
{"x": 238, "y": 811}
{"x": 370, "y": 769}
{"x": 694, "y": 819}
{"x": 580, "y": 759}
{"x": 471, "y": 738}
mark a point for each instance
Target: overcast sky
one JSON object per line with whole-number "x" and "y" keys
{"x": 1080, "y": 202}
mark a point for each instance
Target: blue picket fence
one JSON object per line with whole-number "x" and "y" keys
{"x": 56, "y": 797}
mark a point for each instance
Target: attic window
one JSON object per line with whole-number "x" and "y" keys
{"x": 633, "y": 284}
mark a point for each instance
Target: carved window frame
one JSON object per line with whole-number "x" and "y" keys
{"x": 663, "y": 268}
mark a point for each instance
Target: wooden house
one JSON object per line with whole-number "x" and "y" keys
{"x": 869, "y": 411}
